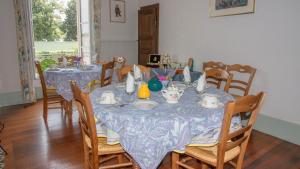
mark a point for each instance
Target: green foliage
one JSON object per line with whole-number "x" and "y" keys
{"x": 69, "y": 26}
{"x": 48, "y": 24}
{"x": 45, "y": 22}
{"x": 47, "y": 63}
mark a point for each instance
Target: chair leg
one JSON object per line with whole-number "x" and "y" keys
{"x": 45, "y": 108}
{"x": 175, "y": 158}
{"x": 62, "y": 107}
{"x": 69, "y": 110}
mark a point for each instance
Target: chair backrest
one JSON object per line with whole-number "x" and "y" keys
{"x": 42, "y": 78}
{"x": 229, "y": 140}
{"x": 239, "y": 84}
{"x": 107, "y": 73}
{"x": 213, "y": 65}
{"x": 124, "y": 70}
{"x": 87, "y": 125}
{"x": 216, "y": 76}
{"x": 190, "y": 62}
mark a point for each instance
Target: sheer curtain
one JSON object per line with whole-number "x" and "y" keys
{"x": 97, "y": 28}
{"x": 89, "y": 19}
{"x": 25, "y": 48}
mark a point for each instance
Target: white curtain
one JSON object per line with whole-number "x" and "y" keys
{"x": 25, "y": 48}
{"x": 97, "y": 28}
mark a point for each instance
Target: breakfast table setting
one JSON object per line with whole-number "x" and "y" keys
{"x": 60, "y": 77}
{"x": 151, "y": 118}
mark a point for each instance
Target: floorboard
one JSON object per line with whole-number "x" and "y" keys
{"x": 33, "y": 143}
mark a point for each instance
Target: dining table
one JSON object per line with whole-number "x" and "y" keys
{"x": 60, "y": 78}
{"x": 147, "y": 135}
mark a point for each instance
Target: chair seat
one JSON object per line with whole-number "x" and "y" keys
{"x": 209, "y": 154}
{"x": 51, "y": 91}
{"x": 104, "y": 148}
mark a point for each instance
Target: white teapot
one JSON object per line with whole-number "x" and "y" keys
{"x": 172, "y": 94}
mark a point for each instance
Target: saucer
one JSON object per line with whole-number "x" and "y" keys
{"x": 145, "y": 104}
{"x": 216, "y": 106}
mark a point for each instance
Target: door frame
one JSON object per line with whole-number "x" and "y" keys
{"x": 156, "y": 5}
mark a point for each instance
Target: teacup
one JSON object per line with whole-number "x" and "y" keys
{"x": 108, "y": 97}
{"x": 210, "y": 100}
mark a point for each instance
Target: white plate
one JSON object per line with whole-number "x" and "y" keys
{"x": 145, "y": 104}
{"x": 120, "y": 85}
{"x": 179, "y": 85}
{"x": 53, "y": 69}
{"x": 219, "y": 105}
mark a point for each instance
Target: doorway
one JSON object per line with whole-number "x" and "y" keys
{"x": 62, "y": 28}
{"x": 148, "y": 18}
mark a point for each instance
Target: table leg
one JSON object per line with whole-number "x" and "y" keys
{"x": 69, "y": 109}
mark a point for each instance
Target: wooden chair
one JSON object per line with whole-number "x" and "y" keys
{"x": 216, "y": 76}
{"x": 124, "y": 70}
{"x": 50, "y": 96}
{"x": 107, "y": 73}
{"x": 96, "y": 150}
{"x": 231, "y": 145}
{"x": 213, "y": 65}
{"x": 243, "y": 86}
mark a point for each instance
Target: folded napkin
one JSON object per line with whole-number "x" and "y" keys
{"x": 129, "y": 83}
{"x": 186, "y": 74}
{"x": 137, "y": 72}
{"x": 201, "y": 83}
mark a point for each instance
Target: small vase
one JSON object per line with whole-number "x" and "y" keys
{"x": 144, "y": 92}
{"x": 154, "y": 84}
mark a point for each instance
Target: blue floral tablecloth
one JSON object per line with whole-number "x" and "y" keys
{"x": 148, "y": 135}
{"x": 60, "y": 78}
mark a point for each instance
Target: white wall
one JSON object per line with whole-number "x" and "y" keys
{"x": 268, "y": 40}
{"x": 9, "y": 70}
{"x": 120, "y": 39}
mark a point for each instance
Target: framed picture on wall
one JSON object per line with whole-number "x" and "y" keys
{"x": 230, "y": 7}
{"x": 117, "y": 11}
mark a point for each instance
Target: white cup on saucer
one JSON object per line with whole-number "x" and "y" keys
{"x": 210, "y": 101}
{"x": 108, "y": 97}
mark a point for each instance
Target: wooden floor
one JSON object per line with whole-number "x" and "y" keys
{"x": 32, "y": 143}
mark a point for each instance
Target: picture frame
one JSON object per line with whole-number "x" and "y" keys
{"x": 117, "y": 11}
{"x": 230, "y": 7}
{"x": 154, "y": 58}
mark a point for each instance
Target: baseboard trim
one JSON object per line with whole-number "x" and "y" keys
{"x": 16, "y": 98}
{"x": 278, "y": 128}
